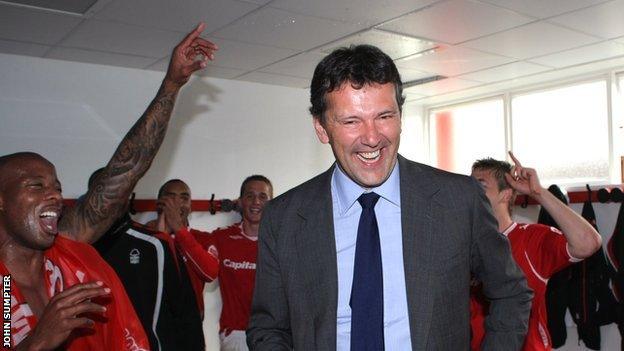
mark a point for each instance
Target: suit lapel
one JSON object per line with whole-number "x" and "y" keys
{"x": 417, "y": 203}
{"x": 316, "y": 249}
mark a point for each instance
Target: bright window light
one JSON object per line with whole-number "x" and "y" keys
{"x": 461, "y": 134}
{"x": 563, "y": 133}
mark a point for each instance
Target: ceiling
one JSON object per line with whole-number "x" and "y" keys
{"x": 472, "y": 42}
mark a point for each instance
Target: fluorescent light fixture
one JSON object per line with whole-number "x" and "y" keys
{"x": 73, "y": 7}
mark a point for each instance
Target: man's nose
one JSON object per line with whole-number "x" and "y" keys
{"x": 54, "y": 193}
{"x": 371, "y": 135}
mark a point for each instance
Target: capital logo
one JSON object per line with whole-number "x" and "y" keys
{"x": 238, "y": 265}
{"x": 135, "y": 256}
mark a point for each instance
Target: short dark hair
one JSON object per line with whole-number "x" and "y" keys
{"x": 498, "y": 169}
{"x": 256, "y": 177}
{"x": 162, "y": 187}
{"x": 357, "y": 65}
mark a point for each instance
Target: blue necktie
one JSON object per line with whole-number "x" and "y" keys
{"x": 367, "y": 290}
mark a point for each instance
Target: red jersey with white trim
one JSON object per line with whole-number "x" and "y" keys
{"x": 540, "y": 251}
{"x": 237, "y": 273}
{"x": 202, "y": 266}
{"x": 68, "y": 263}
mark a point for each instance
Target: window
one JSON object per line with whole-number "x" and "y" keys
{"x": 461, "y": 134}
{"x": 563, "y": 133}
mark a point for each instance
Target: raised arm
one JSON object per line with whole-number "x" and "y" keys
{"x": 107, "y": 197}
{"x": 583, "y": 239}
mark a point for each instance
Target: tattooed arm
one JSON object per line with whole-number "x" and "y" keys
{"x": 107, "y": 197}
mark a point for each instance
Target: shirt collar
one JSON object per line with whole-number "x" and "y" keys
{"x": 347, "y": 191}
{"x": 509, "y": 229}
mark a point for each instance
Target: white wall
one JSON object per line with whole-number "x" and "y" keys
{"x": 222, "y": 130}
{"x": 413, "y": 136}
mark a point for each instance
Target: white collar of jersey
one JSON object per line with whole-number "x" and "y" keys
{"x": 511, "y": 227}
{"x": 252, "y": 238}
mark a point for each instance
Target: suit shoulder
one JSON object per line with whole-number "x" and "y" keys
{"x": 304, "y": 190}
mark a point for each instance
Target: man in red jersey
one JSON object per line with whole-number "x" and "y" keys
{"x": 62, "y": 293}
{"x": 539, "y": 250}
{"x": 236, "y": 247}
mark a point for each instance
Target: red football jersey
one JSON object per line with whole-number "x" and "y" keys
{"x": 540, "y": 251}
{"x": 68, "y": 263}
{"x": 237, "y": 273}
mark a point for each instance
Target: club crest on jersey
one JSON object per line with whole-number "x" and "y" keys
{"x": 55, "y": 277}
{"x": 135, "y": 256}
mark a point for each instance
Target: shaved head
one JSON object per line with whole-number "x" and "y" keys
{"x": 30, "y": 200}
{"x": 10, "y": 164}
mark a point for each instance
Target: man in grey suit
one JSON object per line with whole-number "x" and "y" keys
{"x": 327, "y": 256}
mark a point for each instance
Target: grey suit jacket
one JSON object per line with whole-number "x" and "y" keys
{"x": 448, "y": 232}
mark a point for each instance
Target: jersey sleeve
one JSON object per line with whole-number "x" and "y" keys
{"x": 549, "y": 250}
{"x": 202, "y": 261}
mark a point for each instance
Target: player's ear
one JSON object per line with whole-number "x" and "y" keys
{"x": 507, "y": 195}
{"x": 321, "y": 133}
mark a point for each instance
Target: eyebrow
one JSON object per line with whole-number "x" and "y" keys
{"x": 39, "y": 178}
{"x": 391, "y": 111}
{"x": 384, "y": 112}
{"x": 33, "y": 177}
{"x": 174, "y": 193}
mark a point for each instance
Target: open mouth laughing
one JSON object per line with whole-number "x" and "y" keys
{"x": 369, "y": 157}
{"x": 48, "y": 220}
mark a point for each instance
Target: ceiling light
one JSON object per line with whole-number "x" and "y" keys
{"x": 72, "y": 7}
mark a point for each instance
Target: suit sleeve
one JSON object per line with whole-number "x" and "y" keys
{"x": 203, "y": 262}
{"x": 504, "y": 284}
{"x": 269, "y": 323}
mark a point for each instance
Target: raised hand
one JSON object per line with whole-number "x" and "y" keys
{"x": 524, "y": 180}
{"x": 174, "y": 216}
{"x": 64, "y": 313}
{"x": 190, "y": 55}
{"x": 106, "y": 199}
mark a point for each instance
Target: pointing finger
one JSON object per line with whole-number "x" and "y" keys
{"x": 515, "y": 160}
{"x": 194, "y": 34}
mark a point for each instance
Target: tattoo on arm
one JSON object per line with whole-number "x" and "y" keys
{"x": 108, "y": 196}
